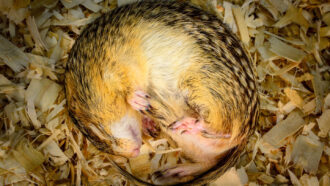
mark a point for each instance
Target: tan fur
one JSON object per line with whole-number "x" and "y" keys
{"x": 158, "y": 47}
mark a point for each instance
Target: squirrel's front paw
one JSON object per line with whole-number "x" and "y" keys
{"x": 187, "y": 125}
{"x": 193, "y": 126}
{"x": 139, "y": 101}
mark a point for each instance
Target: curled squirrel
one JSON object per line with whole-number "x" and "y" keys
{"x": 175, "y": 64}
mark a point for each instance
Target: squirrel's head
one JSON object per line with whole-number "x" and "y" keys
{"x": 98, "y": 106}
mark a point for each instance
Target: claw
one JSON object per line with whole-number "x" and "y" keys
{"x": 149, "y": 127}
{"x": 188, "y": 125}
{"x": 139, "y": 101}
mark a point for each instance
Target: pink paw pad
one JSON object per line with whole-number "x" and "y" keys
{"x": 188, "y": 125}
{"x": 139, "y": 101}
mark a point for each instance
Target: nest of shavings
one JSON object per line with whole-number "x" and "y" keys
{"x": 288, "y": 42}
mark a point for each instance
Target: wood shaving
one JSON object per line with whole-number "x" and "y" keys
{"x": 307, "y": 153}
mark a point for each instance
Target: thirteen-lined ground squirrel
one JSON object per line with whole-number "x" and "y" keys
{"x": 170, "y": 62}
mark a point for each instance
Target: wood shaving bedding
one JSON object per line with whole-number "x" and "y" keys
{"x": 288, "y": 40}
